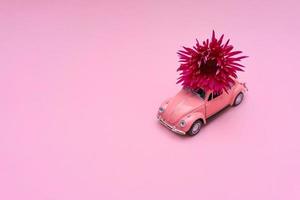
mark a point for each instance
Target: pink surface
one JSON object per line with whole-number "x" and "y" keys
{"x": 81, "y": 83}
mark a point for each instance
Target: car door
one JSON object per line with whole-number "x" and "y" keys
{"x": 215, "y": 102}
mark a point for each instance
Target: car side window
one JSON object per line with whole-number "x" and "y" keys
{"x": 216, "y": 94}
{"x": 210, "y": 97}
{"x": 213, "y": 95}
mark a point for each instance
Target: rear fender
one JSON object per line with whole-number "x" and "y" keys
{"x": 241, "y": 87}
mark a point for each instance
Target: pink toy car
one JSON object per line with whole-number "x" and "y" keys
{"x": 186, "y": 112}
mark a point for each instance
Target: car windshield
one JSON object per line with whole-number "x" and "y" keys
{"x": 200, "y": 92}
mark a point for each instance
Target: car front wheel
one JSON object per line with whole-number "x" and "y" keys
{"x": 238, "y": 99}
{"x": 195, "y": 128}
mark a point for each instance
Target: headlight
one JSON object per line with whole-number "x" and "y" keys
{"x": 161, "y": 110}
{"x": 182, "y": 123}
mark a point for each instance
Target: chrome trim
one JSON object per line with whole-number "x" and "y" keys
{"x": 161, "y": 110}
{"x": 182, "y": 123}
{"x": 172, "y": 128}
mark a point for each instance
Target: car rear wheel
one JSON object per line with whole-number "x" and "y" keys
{"x": 238, "y": 99}
{"x": 195, "y": 128}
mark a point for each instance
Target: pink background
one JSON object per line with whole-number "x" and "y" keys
{"x": 81, "y": 82}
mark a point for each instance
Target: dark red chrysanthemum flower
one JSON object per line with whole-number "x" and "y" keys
{"x": 210, "y": 65}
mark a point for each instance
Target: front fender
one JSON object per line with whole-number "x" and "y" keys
{"x": 164, "y": 105}
{"x": 191, "y": 118}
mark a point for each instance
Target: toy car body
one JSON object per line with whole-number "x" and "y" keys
{"x": 187, "y": 111}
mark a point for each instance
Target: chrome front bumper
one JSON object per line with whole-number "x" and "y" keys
{"x": 172, "y": 128}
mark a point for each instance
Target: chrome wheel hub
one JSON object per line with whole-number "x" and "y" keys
{"x": 239, "y": 99}
{"x": 196, "y": 128}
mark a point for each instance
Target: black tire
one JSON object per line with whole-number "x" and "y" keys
{"x": 195, "y": 128}
{"x": 238, "y": 99}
